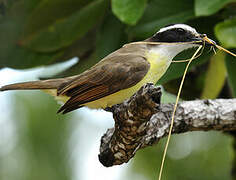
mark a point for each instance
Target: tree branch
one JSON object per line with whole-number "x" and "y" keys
{"x": 141, "y": 121}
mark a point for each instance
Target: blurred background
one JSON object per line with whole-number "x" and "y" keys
{"x": 58, "y": 38}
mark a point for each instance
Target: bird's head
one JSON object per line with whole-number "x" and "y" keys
{"x": 180, "y": 33}
{"x": 173, "y": 39}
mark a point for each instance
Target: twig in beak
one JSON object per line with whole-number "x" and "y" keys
{"x": 225, "y": 50}
{"x": 206, "y": 39}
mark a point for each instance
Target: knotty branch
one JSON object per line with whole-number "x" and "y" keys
{"x": 142, "y": 121}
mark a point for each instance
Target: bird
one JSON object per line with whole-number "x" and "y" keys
{"x": 120, "y": 74}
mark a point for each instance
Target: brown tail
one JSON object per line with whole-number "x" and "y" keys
{"x": 44, "y": 84}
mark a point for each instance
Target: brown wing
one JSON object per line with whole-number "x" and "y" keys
{"x": 120, "y": 70}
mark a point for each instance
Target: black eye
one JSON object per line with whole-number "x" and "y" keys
{"x": 180, "y": 31}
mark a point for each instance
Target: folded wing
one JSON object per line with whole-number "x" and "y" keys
{"x": 119, "y": 70}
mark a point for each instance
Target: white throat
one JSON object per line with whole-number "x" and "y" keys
{"x": 169, "y": 51}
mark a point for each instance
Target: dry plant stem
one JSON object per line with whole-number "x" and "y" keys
{"x": 190, "y": 59}
{"x": 225, "y": 50}
{"x": 162, "y": 43}
{"x": 206, "y": 39}
{"x": 173, "y": 115}
{"x": 166, "y": 43}
{"x": 137, "y": 128}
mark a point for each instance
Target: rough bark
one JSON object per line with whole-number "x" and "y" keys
{"x": 141, "y": 121}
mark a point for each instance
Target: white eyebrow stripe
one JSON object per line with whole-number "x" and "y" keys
{"x": 183, "y": 26}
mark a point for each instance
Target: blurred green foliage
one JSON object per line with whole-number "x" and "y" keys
{"x": 42, "y": 32}
{"x": 40, "y": 141}
{"x": 215, "y": 76}
{"x": 129, "y": 11}
{"x": 194, "y": 156}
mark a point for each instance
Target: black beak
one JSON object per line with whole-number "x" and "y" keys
{"x": 202, "y": 39}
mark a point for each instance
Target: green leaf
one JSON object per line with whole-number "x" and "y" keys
{"x": 206, "y": 8}
{"x": 47, "y": 12}
{"x": 11, "y": 25}
{"x": 160, "y": 13}
{"x": 23, "y": 58}
{"x": 230, "y": 63}
{"x": 64, "y": 32}
{"x": 215, "y": 76}
{"x": 106, "y": 43}
{"x": 225, "y": 32}
{"x": 128, "y": 11}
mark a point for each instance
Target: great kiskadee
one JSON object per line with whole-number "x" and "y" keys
{"x": 120, "y": 74}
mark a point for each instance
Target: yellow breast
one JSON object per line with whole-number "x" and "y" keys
{"x": 158, "y": 66}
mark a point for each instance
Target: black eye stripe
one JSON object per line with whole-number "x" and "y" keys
{"x": 180, "y": 30}
{"x": 177, "y": 34}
